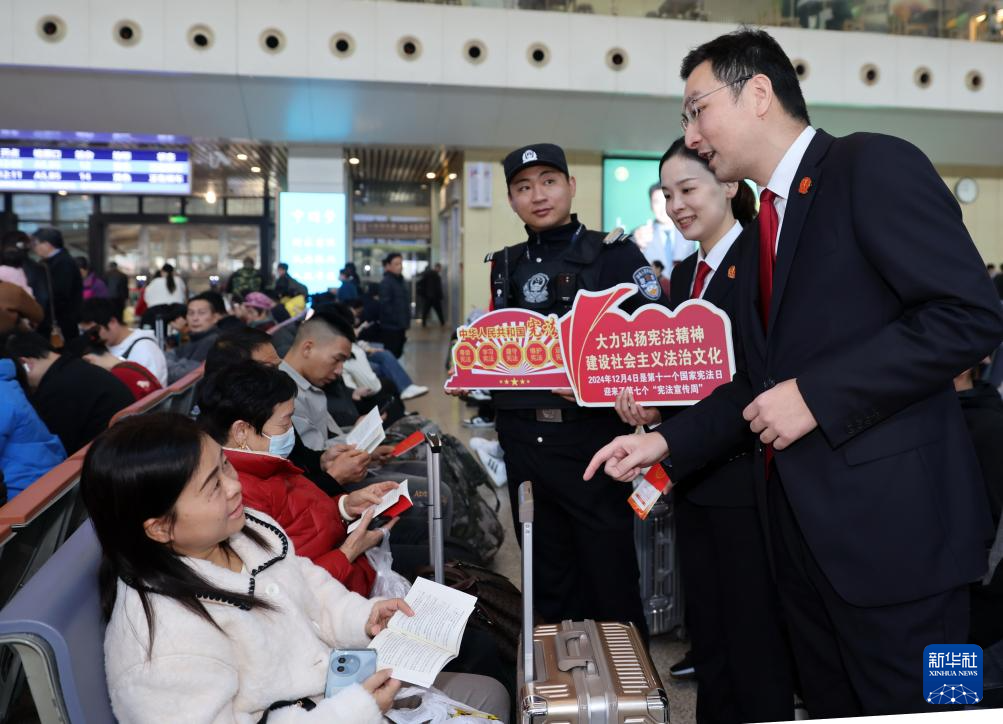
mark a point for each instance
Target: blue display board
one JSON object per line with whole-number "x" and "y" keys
{"x": 312, "y": 237}
{"x": 95, "y": 170}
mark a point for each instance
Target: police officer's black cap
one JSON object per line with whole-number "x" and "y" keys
{"x": 537, "y": 154}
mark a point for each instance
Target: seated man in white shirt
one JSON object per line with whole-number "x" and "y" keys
{"x": 322, "y": 345}
{"x": 135, "y": 345}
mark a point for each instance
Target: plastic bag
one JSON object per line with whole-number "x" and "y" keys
{"x": 435, "y": 707}
{"x": 388, "y": 583}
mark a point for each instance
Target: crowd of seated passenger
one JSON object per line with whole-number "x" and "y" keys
{"x": 179, "y": 633}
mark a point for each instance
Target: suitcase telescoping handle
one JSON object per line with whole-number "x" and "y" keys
{"x": 526, "y": 521}
{"x": 566, "y": 660}
{"x": 436, "y": 542}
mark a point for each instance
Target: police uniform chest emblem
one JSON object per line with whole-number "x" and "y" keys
{"x": 647, "y": 282}
{"x": 528, "y": 155}
{"x": 535, "y": 288}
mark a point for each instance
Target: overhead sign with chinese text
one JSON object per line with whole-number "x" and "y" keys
{"x": 393, "y": 229}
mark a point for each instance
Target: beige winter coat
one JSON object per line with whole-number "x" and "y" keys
{"x": 198, "y": 673}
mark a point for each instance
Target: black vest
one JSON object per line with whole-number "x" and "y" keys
{"x": 543, "y": 274}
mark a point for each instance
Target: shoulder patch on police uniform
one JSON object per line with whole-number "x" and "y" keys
{"x": 614, "y": 236}
{"x": 647, "y": 282}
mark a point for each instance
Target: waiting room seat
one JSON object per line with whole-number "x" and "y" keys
{"x": 182, "y": 393}
{"x": 154, "y": 402}
{"x": 6, "y": 534}
{"x": 42, "y": 517}
{"x": 55, "y": 625}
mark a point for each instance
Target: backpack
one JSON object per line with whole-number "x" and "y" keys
{"x": 475, "y": 519}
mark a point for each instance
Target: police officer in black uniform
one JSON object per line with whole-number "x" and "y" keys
{"x": 584, "y": 560}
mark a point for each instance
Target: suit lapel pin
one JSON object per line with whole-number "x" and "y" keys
{"x": 805, "y": 185}
{"x": 731, "y": 272}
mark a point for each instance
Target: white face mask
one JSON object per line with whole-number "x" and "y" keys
{"x": 283, "y": 444}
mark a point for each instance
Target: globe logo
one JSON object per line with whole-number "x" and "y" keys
{"x": 959, "y": 694}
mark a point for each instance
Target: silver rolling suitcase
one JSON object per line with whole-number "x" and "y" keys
{"x": 658, "y": 561}
{"x": 582, "y": 671}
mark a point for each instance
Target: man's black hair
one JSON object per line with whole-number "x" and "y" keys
{"x": 390, "y": 257}
{"x": 283, "y": 266}
{"x": 215, "y": 300}
{"x": 174, "y": 311}
{"x": 233, "y": 347}
{"x": 27, "y": 344}
{"x": 84, "y": 344}
{"x": 100, "y": 311}
{"x": 340, "y": 309}
{"x": 333, "y": 320}
{"x": 748, "y": 52}
{"x": 51, "y": 236}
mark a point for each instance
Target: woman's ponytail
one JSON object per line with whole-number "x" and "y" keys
{"x": 743, "y": 205}
{"x": 169, "y": 271}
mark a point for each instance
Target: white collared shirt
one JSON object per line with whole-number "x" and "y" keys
{"x": 783, "y": 176}
{"x": 716, "y": 256}
{"x": 311, "y": 418}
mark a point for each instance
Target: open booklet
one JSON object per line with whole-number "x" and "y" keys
{"x": 417, "y": 647}
{"x": 367, "y": 434}
{"x": 393, "y": 504}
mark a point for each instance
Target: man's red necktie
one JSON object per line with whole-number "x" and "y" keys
{"x": 703, "y": 269}
{"x": 768, "y": 225}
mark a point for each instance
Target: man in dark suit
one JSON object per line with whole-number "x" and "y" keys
{"x": 740, "y": 653}
{"x": 860, "y": 297}
{"x": 66, "y": 286}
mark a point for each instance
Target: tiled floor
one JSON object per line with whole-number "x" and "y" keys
{"x": 425, "y": 357}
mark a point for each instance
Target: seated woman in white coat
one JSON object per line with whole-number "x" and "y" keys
{"x": 212, "y": 617}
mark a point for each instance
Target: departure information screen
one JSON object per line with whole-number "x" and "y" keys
{"x": 95, "y": 170}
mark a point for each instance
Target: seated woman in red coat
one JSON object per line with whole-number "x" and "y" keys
{"x": 248, "y": 410}
{"x": 247, "y": 407}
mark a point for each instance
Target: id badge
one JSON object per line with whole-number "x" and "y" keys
{"x": 654, "y": 483}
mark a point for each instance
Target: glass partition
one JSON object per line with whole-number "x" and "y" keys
{"x": 975, "y": 20}
{"x": 203, "y": 254}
